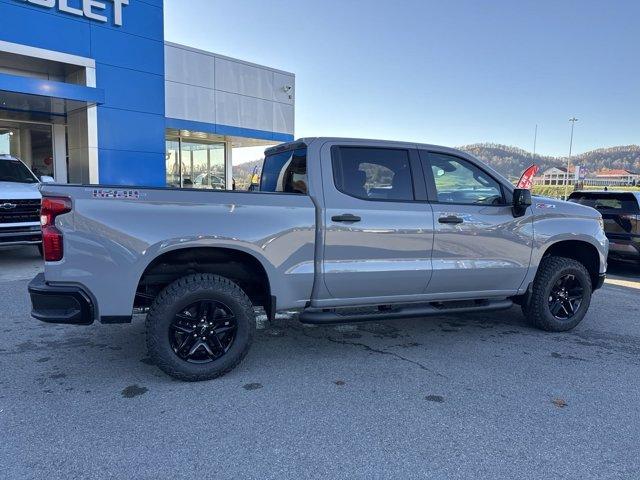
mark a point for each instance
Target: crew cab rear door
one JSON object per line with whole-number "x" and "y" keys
{"x": 480, "y": 248}
{"x": 378, "y": 230}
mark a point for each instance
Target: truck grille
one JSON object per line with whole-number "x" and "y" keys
{"x": 19, "y": 211}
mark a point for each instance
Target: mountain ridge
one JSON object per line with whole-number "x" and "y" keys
{"x": 511, "y": 161}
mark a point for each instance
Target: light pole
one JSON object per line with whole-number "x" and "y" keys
{"x": 573, "y": 121}
{"x": 535, "y": 141}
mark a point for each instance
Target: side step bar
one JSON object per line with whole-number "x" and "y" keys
{"x": 324, "y": 316}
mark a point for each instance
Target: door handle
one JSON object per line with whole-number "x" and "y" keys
{"x": 450, "y": 219}
{"x": 346, "y": 218}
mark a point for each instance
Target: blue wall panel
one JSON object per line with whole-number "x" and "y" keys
{"x": 37, "y": 27}
{"x": 139, "y": 91}
{"x": 129, "y": 51}
{"x": 129, "y": 68}
{"x": 118, "y": 167}
{"x": 129, "y": 130}
{"x": 220, "y": 129}
{"x": 140, "y": 18}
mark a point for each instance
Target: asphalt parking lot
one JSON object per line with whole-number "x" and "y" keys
{"x": 475, "y": 396}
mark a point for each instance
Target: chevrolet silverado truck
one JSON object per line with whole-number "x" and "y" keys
{"x": 19, "y": 203}
{"x": 341, "y": 230}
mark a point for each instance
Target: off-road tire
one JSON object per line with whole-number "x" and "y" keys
{"x": 536, "y": 309}
{"x": 181, "y": 293}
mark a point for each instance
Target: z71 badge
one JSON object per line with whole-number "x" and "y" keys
{"x": 545, "y": 205}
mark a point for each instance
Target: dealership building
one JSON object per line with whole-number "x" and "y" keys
{"x": 90, "y": 92}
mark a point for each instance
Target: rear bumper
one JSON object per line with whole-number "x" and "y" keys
{"x": 69, "y": 305}
{"x": 624, "y": 248}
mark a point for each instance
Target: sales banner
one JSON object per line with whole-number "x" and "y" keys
{"x": 526, "y": 180}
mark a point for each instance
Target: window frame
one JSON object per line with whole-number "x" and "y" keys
{"x": 418, "y": 185}
{"x": 425, "y": 158}
{"x": 180, "y": 141}
{"x": 278, "y": 151}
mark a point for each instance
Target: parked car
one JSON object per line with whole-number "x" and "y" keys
{"x": 621, "y": 213}
{"x": 19, "y": 204}
{"x": 341, "y": 230}
{"x": 207, "y": 180}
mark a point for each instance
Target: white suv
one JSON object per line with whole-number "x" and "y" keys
{"x": 19, "y": 203}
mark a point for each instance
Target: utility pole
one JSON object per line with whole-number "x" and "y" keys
{"x": 535, "y": 141}
{"x": 573, "y": 121}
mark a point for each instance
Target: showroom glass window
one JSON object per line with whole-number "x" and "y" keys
{"x": 195, "y": 164}
{"x": 30, "y": 142}
{"x": 373, "y": 173}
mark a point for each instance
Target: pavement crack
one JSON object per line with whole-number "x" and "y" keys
{"x": 385, "y": 352}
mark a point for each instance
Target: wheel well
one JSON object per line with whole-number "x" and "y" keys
{"x": 240, "y": 267}
{"x": 583, "y": 252}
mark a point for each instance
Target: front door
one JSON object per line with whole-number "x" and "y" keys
{"x": 379, "y": 227}
{"x": 480, "y": 248}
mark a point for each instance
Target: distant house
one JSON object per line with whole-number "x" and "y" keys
{"x": 555, "y": 176}
{"x": 603, "y": 178}
{"x": 613, "y": 177}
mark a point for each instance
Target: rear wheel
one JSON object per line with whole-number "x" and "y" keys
{"x": 200, "y": 327}
{"x": 560, "y": 296}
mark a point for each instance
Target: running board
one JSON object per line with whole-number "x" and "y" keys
{"x": 344, "y": 315}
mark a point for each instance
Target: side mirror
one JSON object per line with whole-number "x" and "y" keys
{"x": 521, "y": 201}
{"x": 47, "y": 179}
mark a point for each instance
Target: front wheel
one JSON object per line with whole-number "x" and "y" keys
{"x": 200, "y": 327}
{"x": 560, "y": 296}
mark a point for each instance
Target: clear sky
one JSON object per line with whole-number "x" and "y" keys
{"x": 448, "y": 72}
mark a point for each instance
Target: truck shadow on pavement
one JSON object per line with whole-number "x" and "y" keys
{"x": 57, "y": 359}
{"x": 105, "y": 354}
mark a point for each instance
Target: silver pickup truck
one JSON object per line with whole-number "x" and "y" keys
{"x": 19, "y": 203}
{"x": 342, "y": 230}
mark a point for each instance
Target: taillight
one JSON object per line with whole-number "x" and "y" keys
{"x": 51, "y": 236}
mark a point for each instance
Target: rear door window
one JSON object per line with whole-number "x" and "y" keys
{"x": 373, "y": 173}
{"x": 285, "y": 172}
{"x": 607, "y": 202}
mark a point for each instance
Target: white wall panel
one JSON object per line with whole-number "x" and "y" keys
{"x": 204, "y": 87}
{"x": 256, "y": 114}
{"x": 237, "y": 77}
{"x": 283, "y": 118}
{"x": 186, "y": 66}
{"x": 245, "y": 112}
{"x": 228, "y": 109}
{"x": 188, "y": 102}
{"x": 280, "y": 81}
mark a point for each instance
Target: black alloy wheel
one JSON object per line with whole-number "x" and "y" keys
{"x": 566, "y": 296}
{"x": 203, "y": 331}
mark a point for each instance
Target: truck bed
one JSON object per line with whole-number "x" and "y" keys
{"x": 113, "y": 233}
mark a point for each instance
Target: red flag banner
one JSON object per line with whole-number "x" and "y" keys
{"x": 526, "y": 180}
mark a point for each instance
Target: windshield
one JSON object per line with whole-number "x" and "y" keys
{"x": 15, "y": 171}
